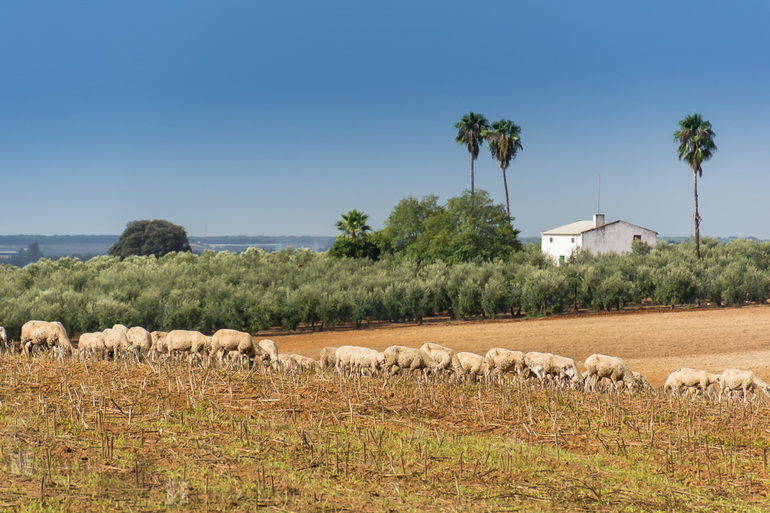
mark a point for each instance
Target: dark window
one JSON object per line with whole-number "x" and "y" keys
{"x": 573, "y": 239}
{"x": 637, "y": 237}
{"x": 551, "y": 239}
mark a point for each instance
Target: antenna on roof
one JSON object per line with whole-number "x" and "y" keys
{"x": 599, "y": 206}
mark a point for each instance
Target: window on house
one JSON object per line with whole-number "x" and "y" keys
{"x": 561, "y": 259}
{"x": 550, "y": 239}
{"x": 573, "y": 240}
{"x": 637, "y": 237}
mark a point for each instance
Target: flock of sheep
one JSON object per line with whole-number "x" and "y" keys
{"x": 431, "y": 358}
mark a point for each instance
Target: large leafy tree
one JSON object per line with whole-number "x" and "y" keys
{"x": 696, "y": 144}
{"x": 469, "y": 132}
{"x": 353, "y": 224}
{"x": 504, "y": 141}
{"x": 156, "y": 237}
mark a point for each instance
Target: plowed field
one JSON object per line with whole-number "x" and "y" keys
{"x": 653, "y": 342}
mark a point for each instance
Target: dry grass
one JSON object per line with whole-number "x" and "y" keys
{"x": 95, "y": 436}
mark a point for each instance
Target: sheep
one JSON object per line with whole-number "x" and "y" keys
{"x": 187, "y": 341}
{"x": 158, "y": 342}
{"x": 641, "y": 383}
{"x": 328, "y": 357}
{"x": 92, "y": 344}
{"x": 445, "y": 357}
{"x": 474, "y": 365}
{"x": 140, "y": 338}
{"x": 501, "y": 361}
{"x": 358, "y": 359}
{"x": 732, "y": 380}
{"x": 51, "y": 334}
{"x": 305, "y": 362}
{"x": 285, "y": 362}
{"x": 269, "y": 347}
{"x": 689, "y": 378}
{"x": 557, "y": 367}
{"x": 115, "y": 339}
{"x": 3, "y": 336}
{"x": 398, "y": 358}
{"x": 599, "y": 366}
{"x": 234, "y": 341}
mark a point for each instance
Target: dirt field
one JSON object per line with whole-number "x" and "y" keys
{"x": 654, "y": 343}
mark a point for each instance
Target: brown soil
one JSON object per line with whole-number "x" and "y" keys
{"x": 653, "y": 342}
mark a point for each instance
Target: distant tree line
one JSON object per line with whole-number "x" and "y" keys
{"x": 255, "y": 290}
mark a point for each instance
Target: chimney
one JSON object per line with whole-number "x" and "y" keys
{"x": 598, "y": 220}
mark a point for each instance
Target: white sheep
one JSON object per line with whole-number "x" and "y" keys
{"x": 158, "y": 342}
{"x": 50, "y": 334}
{"x": 474, "y": 365}
{"x": 116, "y": 339}
{"x": 501, "y": 361}
{"x": 3, "y": 336}
{"x": 600, "y": 366}
{"x": 554, "y": 366}
{"x": 445, "y": 357}
{"x": 359, "y": 360}
{"x": 92, "y": 344}
{"x": 732, "y": 380}
{"x": 187, "y": 341}
{"x": 269, "y": 347}
{"x": 140, "y": 338}
{"x": 641, "y": 382}
{"x": 305, "y": 362}
{"x": 328, "y": 357}
{"x": 399, "y": 358}
{"x": 690, "y": 379}
{"x": 233, "y": 341}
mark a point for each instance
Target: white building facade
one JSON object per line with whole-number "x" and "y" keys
{"x": 595, "y": 236}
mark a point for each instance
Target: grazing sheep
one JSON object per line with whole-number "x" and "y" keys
{"x": 641, "y": 383}
{"x": 269, "y": 347}
{"x": 445, "y": 357}
{"x": 285, "y": 362}
{"x": 501, "y": 361}
{"x": 305, "y": 362}
{"x": 474, "y": 365}
{"x": 398, "y": 358}
{"x": 732, "y": 380}
{"x": 140, "y": 338}
{"x": 92, "y": 344}
{"x": 159, "y": 341}
{"x": 557, "y": 367}
{"x": 599, "y": 366}
{"x": 688, "y": 378}
{"x": 115, "y": 339}
{"x": 359, "y": 360}
{"x": 187, "y": 341}
{"x": 50, "y": 334}
{"x": 328, "y": 357}
{"x": 233, "y": 341}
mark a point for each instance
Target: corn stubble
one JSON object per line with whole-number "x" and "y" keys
{"x": 117, "y": 435}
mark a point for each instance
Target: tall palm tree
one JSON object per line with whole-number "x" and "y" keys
{"x": 504, "y": 143}
{"x": 353, "y": 224}
{"x": 696, "y": 144}
{"x": 469, "y": 130}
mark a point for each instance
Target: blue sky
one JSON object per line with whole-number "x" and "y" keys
{"x": 273, "y": 118}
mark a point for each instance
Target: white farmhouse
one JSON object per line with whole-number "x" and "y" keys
{"x": 595, "y": 236}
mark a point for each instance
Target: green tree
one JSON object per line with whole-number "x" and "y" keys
{"x": 696, "y": 144}
{"x": 406, "y": 222}
{"x": 353, "y": 224}
{"x": 469, "y": 132}
{"x": 157, "y": 237}
{"x": 504, "y": 141}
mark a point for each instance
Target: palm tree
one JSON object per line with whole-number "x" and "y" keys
{"x": 696, "y": 144}
{"x": 353, "y": 224}
{"x": 504, "y": 143}
{"x": 469, "y": 130}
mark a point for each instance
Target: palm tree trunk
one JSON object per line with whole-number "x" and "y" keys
{"x": 507, "y": 203}
{"x": 472, "y": 180}
{"x": 697, "y": 216}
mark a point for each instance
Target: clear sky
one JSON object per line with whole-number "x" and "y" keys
{"x": 273, "y": 118}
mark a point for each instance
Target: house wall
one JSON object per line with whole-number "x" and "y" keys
{"x": 616, "y": 237}
{"x": 562, "y": 245}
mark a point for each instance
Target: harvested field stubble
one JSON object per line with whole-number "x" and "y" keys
{"x": 99, "y": 435}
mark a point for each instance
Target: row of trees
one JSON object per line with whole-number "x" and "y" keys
{"x": 255, "y": 290}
